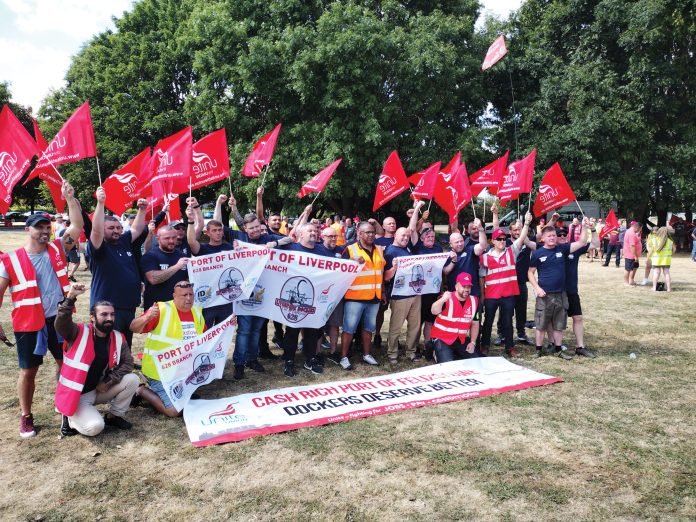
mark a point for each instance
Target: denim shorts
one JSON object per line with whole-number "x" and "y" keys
{"x": 354, "y": 311}
{"x": 156, "y": 386}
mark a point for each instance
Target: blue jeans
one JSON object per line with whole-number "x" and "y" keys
{"x": 610, "y": 250}
{"x": 693, "y": 250}
{"x": 354, "y": 311}
{"x": 246, "y": 347}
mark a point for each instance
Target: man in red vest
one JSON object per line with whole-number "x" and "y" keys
{"x": 456, "y": 326}
{"x": 37, "y": 276}
{"x": 97, "y": 369}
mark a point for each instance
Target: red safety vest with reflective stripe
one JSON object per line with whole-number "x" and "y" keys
{"x": 501, "y": 279}
{"x": 455, "y": 320}
{"x": 76, "y": 363}
{"x": 27, "y": 311}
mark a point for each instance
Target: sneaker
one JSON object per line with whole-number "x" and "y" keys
{"x": 345, "y": 364}
{"x": 530, "y": 324}
{"x": 393, "y": 360}
{"x": 539, "y": 353}
{"x": 417, "y": 356}
{"x": 513, "y": 353}
{"x": 562, "y": 355}
{"x": 368, "y": 359}
{"x": 289, "y": 369}
{"x": 334, "y": 358}
{"x": 26, "y": 426}
{"x": 118, "y": 422}
{"x": 320, "y": 359}
{"x": 238, "y": 372}
{"x": 499, "y": 340}
{"x": 72, "y": 278}
{"x": 644, "y": 282}
{"x": 326, "y": 345}
{"x": 377, "y": 341}
{"x": 254, "y": 365}
{"x": 523, "y": 339}
{"x": 65, "y": 429}
{"x": 313, "y": 366}
{"x": 585, "y": 353}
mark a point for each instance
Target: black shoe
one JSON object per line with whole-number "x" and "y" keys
{"x": 377, "y": 341}
{"x": 72, "y": 278}
{"x": 529, "y": 324}
{"x": 429, "y": 351}
{"x": 119, "y": 422}
{"x": 417, "y": 356}
{"x": 560, "y": 353}
{"x": 255, "y": 365}
{"x": 539, "y": 353}
{"x": 334, "y": 358}
{"x": 320, "y": 359}
{"x": 238, "y": 372}
{"x": 584, "y": 352}
{"x": 289, "y": 369}
{"x": 65, "y": 429}
{"x": 266, "y": 354}
{"x": 523, "y": 339}
{"x": 313, "y": 366}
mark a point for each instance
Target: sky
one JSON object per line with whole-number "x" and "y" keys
{"x": 39, "y": 37}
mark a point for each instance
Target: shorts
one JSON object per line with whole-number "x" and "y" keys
{"x": 336, "y": 318}
{"x": 427, "y": 301}
{"x": 26, "y": 344}
{"x": 631, "y": 264}
{"x": 73, "y": 256}
{"x": 551, "y": 310}
{"x": 354, "y": 311}
{"x": 156, "y": 386}
{"x": 574, "y": 307}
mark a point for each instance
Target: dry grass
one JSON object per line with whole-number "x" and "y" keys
{"x": 615, "y": 441}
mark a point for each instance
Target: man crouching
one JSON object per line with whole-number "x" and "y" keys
{"x": 96, "y": 369}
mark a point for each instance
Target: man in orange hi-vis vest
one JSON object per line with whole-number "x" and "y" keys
{"x": 37, "y": 276}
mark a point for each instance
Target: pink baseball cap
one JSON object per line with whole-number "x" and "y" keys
{"x": 498, "y": 232}
{"x": 464, "y": 279}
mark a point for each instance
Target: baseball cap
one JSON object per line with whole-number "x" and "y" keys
{"x": 498, "y": 232}
{"x": 176, "y": 223}
{"x": 35, "y": 219}
{"x": 464, "y": 279}
{"x": 634, "y": 222}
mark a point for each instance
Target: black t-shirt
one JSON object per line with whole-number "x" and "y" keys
{"x": 231, "y": 235}
{"x": 318, "y": 249}
{"x": 99, "y": 364}
{"x": 467, "y": 261}
{"x": 156, "y": 259}
{"x": 207, "y": 248}
{"x": 115, "y": 275}
{"x": 551, "y": 267}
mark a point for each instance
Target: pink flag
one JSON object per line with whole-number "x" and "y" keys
{"x": 122, "y": 186}
{"x": 211, "y": 161}
{"x": 172, "y": 161}
{"x": 17, "y": 148}
{"x": 261, "y": 154}
{"x": 318, "y": 182}
{"x": 425, "y": 187}
{"x": 392, "y": 181}
{"x": 518, "y": 179}
{"x": 495, "y": 52}
{"x": 489, "y": 176}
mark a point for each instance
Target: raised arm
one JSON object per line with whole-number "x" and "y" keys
{"x": 577, "y": 245}
{"x": 259, "y": 204}
{"x": 524, "y": 233}
{"x": 482, "y": 245}
{"x": 379, "y": 231}
{"x": 191, "y": 235}
{"x": 96, "y": 237}
{"x": 72, "y": 234}
{"x": 138, "y": 324}
{"x": 217, "y": 214}
{"x": 413, "y": 222}
{"x": 496, "y": 219}
{"x": 235, "y": 212}
{"x": 139, "y": 222}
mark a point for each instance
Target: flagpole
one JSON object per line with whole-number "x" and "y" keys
{"x": 484, "y": 212}
{"x": 98, "y": 169}
{"x": 315, "y": 198}
{"x": 514, "y": 114}
{"x": 473, "y": 207}
{"x": 580, "y": 209}
{"x": 52, "y": 165}
{"x": 266, "y": 168}
{"x": 429, "y": 203}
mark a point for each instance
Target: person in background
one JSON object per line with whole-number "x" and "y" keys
{"x": 632, "y": 250}
{"x": 660, "y": 252}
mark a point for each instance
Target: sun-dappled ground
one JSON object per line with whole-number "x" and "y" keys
{"x": 614, "y": 441}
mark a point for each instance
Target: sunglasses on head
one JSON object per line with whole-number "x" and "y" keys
{"x": 183, "y": 285}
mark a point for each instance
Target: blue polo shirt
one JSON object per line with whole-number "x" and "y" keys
{"x": 420, "y": 249}
{"x": 384, "y": 241}
{"x": 115, "y": 274}
{"x": 318, "y": 249}
{"x": 156, "y": 259}
{"x": 467, "y": 262}
{"x": 231, "y": 235}
{"x": 337, "y": 251}
{"x": 206, "y": 248}
{"x": 551, "y": 267}
{"x": 571, "y": 274}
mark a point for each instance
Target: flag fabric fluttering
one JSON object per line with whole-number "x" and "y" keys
{"x": 318, "y": 182}
{"x": 122, "y": 186}
{"x": 518, "y": 179}
{"x": 17, "y": 148}
{"x": 554, "y": 192}
{"x": 611, "y": 223}
{"x": 171, "y": 161}
{"x": 489, "y": 176}
{"x": 50, "y": 176}
{"x": 425, "y": 187}
{"x": 210, "y": 161}
{"x": 392, "y": 181}
{"x": 261, "y": 154}
{"x": 495, "y": 52}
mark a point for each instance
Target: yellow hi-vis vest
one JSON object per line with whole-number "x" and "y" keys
{"x": 662, "y": 257}
{"x": 168, "y": 332}
{"x": 368, "y": 283}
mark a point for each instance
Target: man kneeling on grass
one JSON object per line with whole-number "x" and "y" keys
{"x": 456, "y": 326}
{"x": 97, "y": 366}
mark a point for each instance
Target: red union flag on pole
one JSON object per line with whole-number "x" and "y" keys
{"x": 554, "y": 192}
{"x": 17, "y": 148}
{"x": 261, "y": 154}
{"x": 462, "y": 187}
{"x": 318, "y": 182}
{"x": 50, "y": 175}
{"x": 392, "y": 181}
{"x": 495, "y": 52}
{"x": 122, "y": 186}
{"x": 489, "y": 176}
{"x": 74, "y": 141}
{"x": 453, "y": 193}
{"x": 211, "y": 161}
{"x": 172, "y": 160}
{"x": 519, "y": 178}
{"x": 425, "y": 187}
{"x": 610, "y": 225}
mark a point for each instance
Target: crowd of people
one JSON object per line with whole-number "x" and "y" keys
{"x": 136, "y": 263}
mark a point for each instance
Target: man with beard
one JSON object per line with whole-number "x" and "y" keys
{"x": 115, "y": 273}
{"x": 97, "y": 369}
{"x": 37, "y": 277}
{"x": 163, "y": 266}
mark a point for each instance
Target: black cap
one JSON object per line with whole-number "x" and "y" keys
{"x": 35, "y": 219}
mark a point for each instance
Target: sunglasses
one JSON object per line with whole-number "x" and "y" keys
{"x": 562, "y": 235}
{"x": 500, "y": 239}
{"x": 183, "y": 285}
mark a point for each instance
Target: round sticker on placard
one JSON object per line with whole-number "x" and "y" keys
{"x": 296, "y": 299}
{"x": 230, "y": 284}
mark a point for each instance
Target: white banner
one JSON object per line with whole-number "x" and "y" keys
{"x": 184, "y": 367}
{"x": 299, "y": 289}
{"x": 273, "y": 411}
{"x": 418, "y": 275}
{"x": 227, "y": 276}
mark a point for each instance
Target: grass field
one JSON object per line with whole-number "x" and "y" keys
{"x": 614, "y": 441}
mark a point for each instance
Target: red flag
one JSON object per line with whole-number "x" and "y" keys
{"x": 172, "y": 161}
{"x": 425, "y": 187}
{"x": 453, "y": 193}
{"x": 155, "y": 204}
{"x": 413, "y": 179}
{"x": 554, "y": 192}
{"x": 392, "y": 181}
{"x": 489, "y": 176}
{"x": 55, "y": 182}
{"x": 211, "y": 161}
{"x": 495, "y": 52}
{"x": 519, "y": 178}
{"x": 318, "y": 182}
{"x": 5, "y": 200}
{"x": 610, "y": 224}
{"x": 42, "y": 144}
{"x": 122, "y": 186}
{"x": 463, "y": 189}
{"x": 17, "y": 148}
{"x": 144, "y": 188}
{"x": 74, "y": 141}
{"x": 261, "y": 154}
